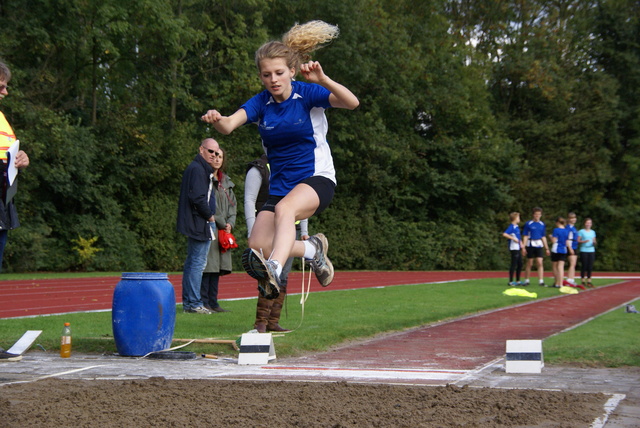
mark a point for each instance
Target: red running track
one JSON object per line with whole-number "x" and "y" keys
{"x": 472, "y": 342}
{"x": 55, "y": 296}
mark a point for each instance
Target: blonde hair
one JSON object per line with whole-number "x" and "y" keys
{"x": 514, "y": 215}
{"x": 298, "y": 43}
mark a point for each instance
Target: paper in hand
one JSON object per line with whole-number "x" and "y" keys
{"x": 12, "y": 171}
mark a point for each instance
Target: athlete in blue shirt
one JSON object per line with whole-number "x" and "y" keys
{"x": 559, "y": 249}
{"x": 291, "y": 121}
{"x": 512, "y": 233}
{"x": 534, "y": 239}
{"x": 572, "y": 258}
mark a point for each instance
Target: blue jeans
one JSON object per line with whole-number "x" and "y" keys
{"x": 3, "y": 242}
{"x": 192, "y": 273}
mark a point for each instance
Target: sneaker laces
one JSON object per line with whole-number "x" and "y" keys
{"x": 265, "y": 259}
{"x": 317, "y": 262}
{"x": 262, "y": 254}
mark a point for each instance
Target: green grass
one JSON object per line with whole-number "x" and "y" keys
{"x": 54, "y": 275}
{"x": 610, "y": 340}
{"x": 336, "y": 317}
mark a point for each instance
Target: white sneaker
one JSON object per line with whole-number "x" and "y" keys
{"x": 321, "y": 265}
{"x": 6, "y": 356}
{"x": 264, "y": 271}
{"x": 198, "y": 310}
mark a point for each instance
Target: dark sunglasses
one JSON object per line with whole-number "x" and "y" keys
{"x": 213, "y": 152}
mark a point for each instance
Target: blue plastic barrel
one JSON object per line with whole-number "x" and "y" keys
{"x": 143, "y": 313}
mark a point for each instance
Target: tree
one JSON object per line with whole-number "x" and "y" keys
{"x": 469, "y": 110}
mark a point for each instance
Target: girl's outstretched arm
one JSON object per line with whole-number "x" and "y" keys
{"x": 225, "y": 124}
{"x": 340, "y": 97}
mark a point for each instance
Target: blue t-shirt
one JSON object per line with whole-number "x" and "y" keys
{"x": 573, "y": 235}
{"x": 513, "y": 230}
{"x": 294, "y": 135}
{"x": 587, "y": 247}
{"x": 535, "y": 230}
{"x": 560, "y": 246}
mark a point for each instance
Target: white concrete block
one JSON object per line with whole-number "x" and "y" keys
{"x": 524, "y": 356}
{"x": 256, "y": 348}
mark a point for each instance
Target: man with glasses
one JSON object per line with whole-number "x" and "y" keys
{"x": 8, "y": 212}
{"x": 196, "y": 209}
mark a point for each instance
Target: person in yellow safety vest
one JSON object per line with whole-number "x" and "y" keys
{"x": 8, "y": 212}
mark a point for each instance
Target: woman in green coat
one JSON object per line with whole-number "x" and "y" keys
{"x": 218, "y": 262}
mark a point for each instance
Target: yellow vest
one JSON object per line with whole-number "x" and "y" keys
{"x": 7, "y": 137}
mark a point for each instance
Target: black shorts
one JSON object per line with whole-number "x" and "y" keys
{"x": 535, "y": 252}
{"x": 558, "y": 257}
{"x": 324, "y": 188}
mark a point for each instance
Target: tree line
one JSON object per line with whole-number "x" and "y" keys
{"x": 469, "y": 110}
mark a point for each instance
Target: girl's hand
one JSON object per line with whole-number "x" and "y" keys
{"x": 212, "y": 116}
{"x": 312, "y": 72}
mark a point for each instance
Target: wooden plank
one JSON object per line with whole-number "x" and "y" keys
{"x": 220, "y": 341}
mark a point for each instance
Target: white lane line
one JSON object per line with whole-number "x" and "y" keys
{"x": 609, "y": 407}
{"x": 53, "y": 375}
{"x": 347, "y": 373}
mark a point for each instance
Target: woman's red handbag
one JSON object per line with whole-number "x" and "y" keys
{"x": 226, "y": 240}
